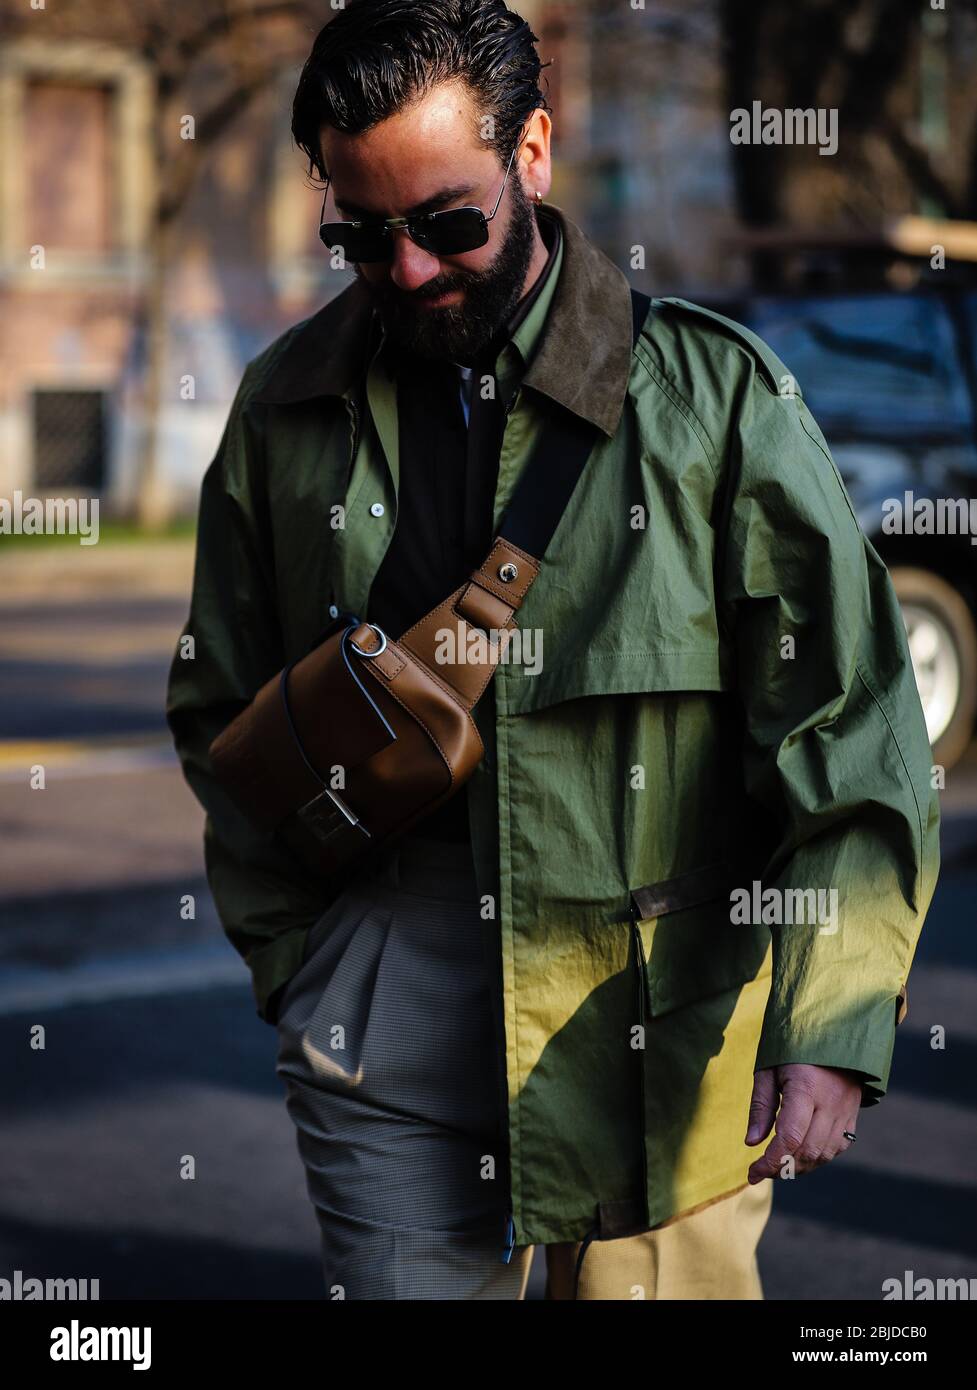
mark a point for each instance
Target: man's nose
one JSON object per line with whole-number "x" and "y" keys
{"x": 411, "y": 266}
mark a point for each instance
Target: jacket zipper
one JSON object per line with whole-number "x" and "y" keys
{"x": 494, "y": 973}
{"x": 509, "y": 1237}
{"x": 493, "y": 966}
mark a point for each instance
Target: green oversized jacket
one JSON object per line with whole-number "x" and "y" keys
{"x": 725, "y": 714}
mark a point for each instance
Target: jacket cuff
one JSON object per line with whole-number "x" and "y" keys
{"x": 865, "y": 1048}
{"x": 272, "y": 966}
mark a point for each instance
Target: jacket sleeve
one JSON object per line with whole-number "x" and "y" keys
{"x": 835, "y": 747}
{"x": 232, "y": 644}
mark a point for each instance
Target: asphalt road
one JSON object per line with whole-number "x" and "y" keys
{"x": 86, "y": 669}
{"x": 153, "y": 1051}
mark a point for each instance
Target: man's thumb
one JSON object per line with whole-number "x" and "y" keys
{"x": 763, "y": 1105}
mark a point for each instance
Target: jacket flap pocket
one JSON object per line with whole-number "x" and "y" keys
{"x": 594, "y": 672}
{"x": 690, "y": 948}
{"x": 688, "y": 890}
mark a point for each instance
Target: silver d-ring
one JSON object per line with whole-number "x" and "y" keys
{"x": 376, "y": 650}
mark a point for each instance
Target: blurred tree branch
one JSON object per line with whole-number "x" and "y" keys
{"x": 250, "y": 65}
{"x": 246, "y": 44}
{"x": 860, "y": 56}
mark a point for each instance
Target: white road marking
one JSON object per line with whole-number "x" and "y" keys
{"x": 33, "y": 989}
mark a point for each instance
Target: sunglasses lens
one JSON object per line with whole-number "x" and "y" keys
{"x": 451, "y": 233}
{"x": 357, "y": 243}
{"x": 442, "y": 233}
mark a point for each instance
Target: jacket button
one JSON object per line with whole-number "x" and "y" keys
{"x": 377, "y": 509}
{"x": 333, "y": 611}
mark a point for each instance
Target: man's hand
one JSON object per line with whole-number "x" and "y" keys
{"x": 818, "y": 1105}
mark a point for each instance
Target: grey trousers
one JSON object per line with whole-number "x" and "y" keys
{"x": 389, "y": 1056}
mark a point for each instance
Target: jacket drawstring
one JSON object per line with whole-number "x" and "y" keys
{"x": 585, "y": 1245}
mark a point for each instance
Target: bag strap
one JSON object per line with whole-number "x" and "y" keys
{"x": 544, "y": 490}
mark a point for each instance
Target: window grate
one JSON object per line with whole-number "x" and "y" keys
{"x": 69, "y": 439}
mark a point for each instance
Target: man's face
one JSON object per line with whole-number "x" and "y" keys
{"x": 427, "y": 159}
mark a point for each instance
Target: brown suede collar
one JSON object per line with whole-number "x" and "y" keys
{"x": 583, "y": 360}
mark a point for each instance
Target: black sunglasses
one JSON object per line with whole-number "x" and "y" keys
{"x": 442, "y": 233}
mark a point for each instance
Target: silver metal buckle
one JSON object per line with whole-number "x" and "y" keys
{"x": 326, "y": 815}
{"x": 377, "y": 650}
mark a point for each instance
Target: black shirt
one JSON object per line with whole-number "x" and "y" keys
{"x": 446, "y": 495}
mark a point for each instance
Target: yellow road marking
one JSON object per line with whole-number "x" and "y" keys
{"x": 24, "y": 753}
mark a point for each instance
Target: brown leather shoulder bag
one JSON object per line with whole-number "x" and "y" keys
{"x": 358, "y": 740}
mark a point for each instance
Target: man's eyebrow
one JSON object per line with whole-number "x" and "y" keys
{"x": 444, "y": 195}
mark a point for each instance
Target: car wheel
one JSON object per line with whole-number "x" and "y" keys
{"x": 943, "y": 646}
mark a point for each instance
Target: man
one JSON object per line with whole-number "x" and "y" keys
{"x": 685, "y": 884}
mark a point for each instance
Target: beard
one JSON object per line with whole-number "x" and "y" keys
{"x": 459, "y": 332}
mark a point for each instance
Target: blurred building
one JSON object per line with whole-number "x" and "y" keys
{"x": 79, "y": 180}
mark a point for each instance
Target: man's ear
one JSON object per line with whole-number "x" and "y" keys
{"x": 535, "y": 165}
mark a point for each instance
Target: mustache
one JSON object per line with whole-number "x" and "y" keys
{"x": 441, "y": 284}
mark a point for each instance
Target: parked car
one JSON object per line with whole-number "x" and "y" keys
{"x": 881, "y": 338}
{"x": 891, "y": 378}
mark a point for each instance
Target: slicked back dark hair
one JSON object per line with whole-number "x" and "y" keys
{"x": 377, "y": 57}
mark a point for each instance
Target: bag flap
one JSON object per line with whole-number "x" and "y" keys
{"x": 257, "y": 758}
